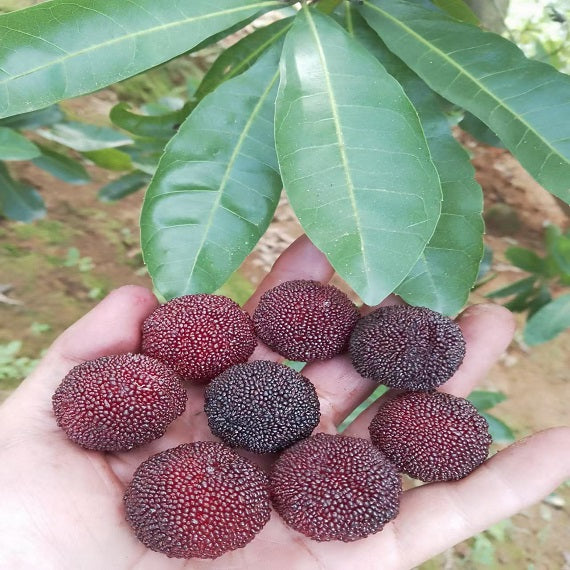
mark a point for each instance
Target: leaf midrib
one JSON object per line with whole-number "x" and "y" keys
{"x": 340, "y": 137}
{"x": 465, "y": 73}
{"x": 130, "y": 36}
{"x": 227, "y": 173}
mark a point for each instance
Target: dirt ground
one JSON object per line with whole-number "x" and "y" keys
{"x": 53, "y": 270}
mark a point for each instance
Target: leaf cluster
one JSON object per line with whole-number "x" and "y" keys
{"x": 340, "y": 103}
{"x": 66, "y": 144}
{"x": 547, "y": 317}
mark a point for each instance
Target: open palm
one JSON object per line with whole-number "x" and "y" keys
{"x": 61, "y": 506}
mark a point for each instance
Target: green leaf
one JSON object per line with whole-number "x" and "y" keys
{"x": 519, "y": 99}
{"x": 548, "y": 322}
{"x": 353, "y": 157}
{"x": 216, "y": 187}
{"x": 72, "y": 48}
{"x": 486, "y": 263}
{"x": 155, "y": 126}
{"x": 242, "y": 55}
{"x": 145, "y": 154}
{"x": 476, "y": 128}
{"x": 35, "y": 119}
{"x": 225, "y": 32}
{"x": 541, "y": 299}
{"x": 447, "y": 269}
{"x": 378, "y": 392}
{"x": 522, "y": 286}
{"x": 558, "y": 246}
{"x": 14, "y": 146}
{"x": 499, "y": 430}
{"x": 520, "y": 302}
{"x": 458, "y": 10}
{"x": 123, "y": 186}
{"x": 83, "y": 137}
{"x": 295, "y": 365}
{"x": 525, "y": 259}
{"x": 110, "y": 158}
{"x": 18, "y": 201}
{"x": 485, "y": 400}
{"x": 61, "y": 166}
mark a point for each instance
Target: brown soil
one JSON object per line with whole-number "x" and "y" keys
{"x": 33, "y": 263}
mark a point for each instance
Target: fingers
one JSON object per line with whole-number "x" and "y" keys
{"x": 112, "y": 327}
{"x": 488, "y": 329}
{"x": 435, "y": 517}
{"x": 301, "y": 260}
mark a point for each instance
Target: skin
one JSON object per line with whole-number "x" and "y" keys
{"x": 62, "y": 506}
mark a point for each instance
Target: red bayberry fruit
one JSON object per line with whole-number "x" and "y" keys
{"x": 115, "y": 403}
{"x": 197, "y": 500}
{"x": 333, "y": 487}
{"x": 431, "y": 436}
{"x": 305, "y": 320}
{"x": 199, "y": 336}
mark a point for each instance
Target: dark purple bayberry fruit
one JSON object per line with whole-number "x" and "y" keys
{"x": 261, "y": 406}
{"x": 411, "y": 348}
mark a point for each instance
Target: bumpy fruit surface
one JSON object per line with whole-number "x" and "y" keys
{"x": 431, "y": 436}
{"x": 197, "y": 500}
{"x": 118, "y": 402}
{"x": 199, "y": 336}
{"x": 305, "y": 320}
{"x": 261, "y": 406}
{"x": 411, "y": 348}
{"x": 333, "y": 487}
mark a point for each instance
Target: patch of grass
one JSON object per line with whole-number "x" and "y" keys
{"x": 13, "y": 367}
{"x": 96, "y": 285}
{"x": 50, "y": 232}
{"x": 237, "y": 287}
{"x": 11, "y": 250}
{"x": 74, "y": 259}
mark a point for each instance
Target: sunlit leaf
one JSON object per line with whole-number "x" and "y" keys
{"x": 83, "y": 137}
{"x": 520, "y": 100}
{"x": 216, "y": 187}
{"x": 353, "y": 157}
{"x": 110, "y": 158}
{"x": 60, "y": 49}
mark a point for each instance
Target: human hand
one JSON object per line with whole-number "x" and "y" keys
{"x": 61, "y": 506}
